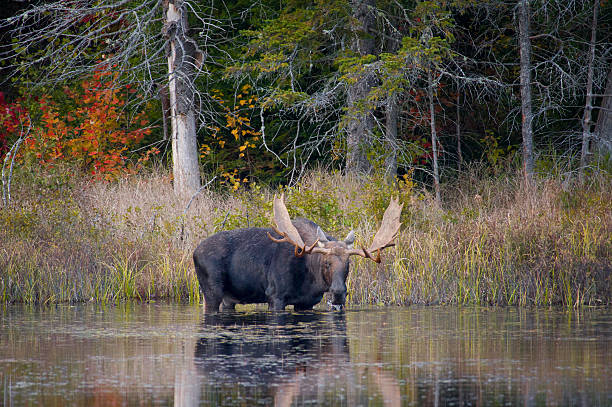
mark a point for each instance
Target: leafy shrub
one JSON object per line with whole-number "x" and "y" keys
{"x": 89, "y": 127}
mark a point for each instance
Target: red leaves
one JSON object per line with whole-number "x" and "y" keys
{"x": 93, "y": 136}
{"x": 12, "y": 119}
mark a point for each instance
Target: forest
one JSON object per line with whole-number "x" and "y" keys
{"x": 130, "y": 130}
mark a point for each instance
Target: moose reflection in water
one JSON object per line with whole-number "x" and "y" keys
{"x": 166, "y": 354}
{"x": 280, "y": 359}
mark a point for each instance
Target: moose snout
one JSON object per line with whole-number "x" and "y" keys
{"x": 338, "y": 296}
{"x": 337, "y": 300}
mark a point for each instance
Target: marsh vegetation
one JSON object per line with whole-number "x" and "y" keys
{"x": 493, "y": 242}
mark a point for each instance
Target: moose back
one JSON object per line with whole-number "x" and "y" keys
{"x": 250, "y": 265}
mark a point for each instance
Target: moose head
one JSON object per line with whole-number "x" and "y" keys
{"x": 329, "y": 258}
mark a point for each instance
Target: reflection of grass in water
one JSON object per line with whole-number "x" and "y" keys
{"x": 146, "y": 352}
{"x": 492, "y": 243}
{"x": 496, "y": 351}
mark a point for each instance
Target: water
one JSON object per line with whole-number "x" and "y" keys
{"x": 140, "y": 354}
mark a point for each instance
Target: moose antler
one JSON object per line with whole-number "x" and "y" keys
{"x": 386, "y": 233}
{"x": 288, "y": 232}
{"x": 382, "y": 239}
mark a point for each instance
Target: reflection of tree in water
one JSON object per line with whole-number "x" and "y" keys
{"x": 422, "y": 358}
{"x": 163, "y": 355}
{"x": 283, "y": 359}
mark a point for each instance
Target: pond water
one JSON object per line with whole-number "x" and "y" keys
{"x": 159, "y": 354}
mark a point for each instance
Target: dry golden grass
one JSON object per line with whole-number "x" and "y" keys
{"x": 493, "y": 241}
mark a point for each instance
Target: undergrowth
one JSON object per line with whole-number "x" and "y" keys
{"x": 493, "y": 241}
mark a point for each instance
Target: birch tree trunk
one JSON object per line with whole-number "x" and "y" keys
{"x": 183, "y": 61}
{"x": 361, "y": 121}
{"x": 588, "y": 107}
{"x": 525, "y": 76}
{"x": 391, "y": 122}
{"x": 391, "y": 114}
{"x": 603, "y": 128}
{"x": 458, "y": 131}
{"x": 434, "y": 137}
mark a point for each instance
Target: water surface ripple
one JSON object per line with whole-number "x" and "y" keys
{"x": 159, "y": 354}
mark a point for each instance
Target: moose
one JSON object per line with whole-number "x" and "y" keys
{"x": 297, "y": 267}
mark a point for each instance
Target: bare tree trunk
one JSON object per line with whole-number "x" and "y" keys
{"x": 434, "y": 137}
{"x": 361, "y": 121}
{"x": 391, "y": 121}
{"x": 527, "y": 128}
{"x": 391, "y": 114}
{"x": 588, "y": 107}
{"x": 165, "y": 105}
{"x": 458, "y": 131}
{"x": 183, "y": 57}
{"x": 603, "y": 129}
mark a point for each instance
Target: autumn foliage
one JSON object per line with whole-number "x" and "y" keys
{"x": 233, "y": 142}
{"x": 10, "y": 122}
{"x": 95, "y": 133}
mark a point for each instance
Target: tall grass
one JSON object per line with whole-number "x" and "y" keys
{"x": 493, "y": 241}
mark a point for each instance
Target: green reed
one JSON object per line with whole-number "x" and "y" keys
{"x": 493, "y": 243}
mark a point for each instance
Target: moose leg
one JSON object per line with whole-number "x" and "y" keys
{"x": 228, "y": 304}
{"x": 213, "y": 295}
{"x": 276, "y": 304}
{"x": 212, "y": 304}
{"x": 209, "y": 277}
{"x": 275, "y": 301}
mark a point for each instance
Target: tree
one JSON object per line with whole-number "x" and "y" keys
{"x": 603, "y": 128}
{"x": 184, "y": 60}
{"x": 434, "y": 135}
{"x": 360, "y": 122}
{"x": 57, "y": 41}
{"x": 586, "y": 121}
{"x": 526, "y": 110}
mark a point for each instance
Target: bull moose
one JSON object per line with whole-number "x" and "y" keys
{"x": 250, "y": 265}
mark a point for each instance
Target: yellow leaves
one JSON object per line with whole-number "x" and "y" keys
{"x": 231, "y": 121}
{"x": 236, "y": 135}
{"x": 232, "y": 179}
{"x": 204, "y": 150}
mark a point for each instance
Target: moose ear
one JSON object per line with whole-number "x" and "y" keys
{"x": 321, "y": 236}
{"x": 350, "y": 239}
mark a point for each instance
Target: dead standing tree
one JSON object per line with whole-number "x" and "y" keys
{"x": 525, "y": 77}
{"x": 9, "y": 161}
{"x": 184, "y": 60}
{"x": 361, "y": 121}
{"x": 586, "y": 121}
{"x": 146, "y": 42}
